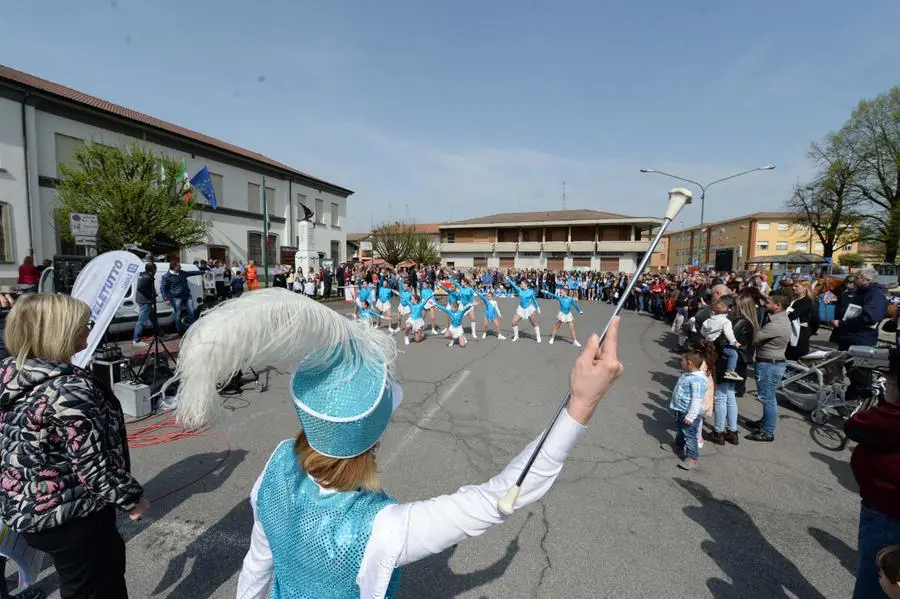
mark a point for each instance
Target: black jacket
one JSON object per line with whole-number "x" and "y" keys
{"x": 146, "y": 290}
{"x": 862, "y": 329}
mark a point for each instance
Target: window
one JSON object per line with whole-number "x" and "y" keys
{"x": 335, "y": 224}
{"x": 848, "y": 248}
{"x": 217, "y": 184}
{"x": 762, "y": 226}
{"x": 254, "y": 202}
{"x": 762, "y": 245}
{"x": 5, "y": 233}
{"x": 65, "y": 149}
{"x": 320, "y": 212}
{"x": 800, "y": 246}
{"x": 451, "y": 236}
{"x": 270, "y": 199}
{"x": 782, "y": 226}
{"x": 335, "y": 253}
{"x": 781, "y": 245}
{"x": 254, "y": 248}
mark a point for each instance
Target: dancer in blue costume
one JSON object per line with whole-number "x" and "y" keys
{"x": 467, "y": 298}
{"x": 406, "y": 298}
{"x": 322, "y": 527}
{"x": 491, "y": 314}
{"x": 383, "y": 302}
{"x": 455, "y": 313}
{"x": 415, "y": 324}
{"x": 566, "y": 303}
{"x": 528, "y": 305}
{"x": 428, "y": 297}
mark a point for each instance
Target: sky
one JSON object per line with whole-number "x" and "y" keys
{"x": 434, "y": 111}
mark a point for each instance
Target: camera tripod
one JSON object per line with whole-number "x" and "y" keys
{"x": 153, "y": 352}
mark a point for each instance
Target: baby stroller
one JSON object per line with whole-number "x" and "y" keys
{"x": 837, "y": 382}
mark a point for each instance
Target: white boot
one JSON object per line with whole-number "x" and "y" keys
{"x": 406, "y": 340}
{"x": 552, "y": 339}
{"x": 484, "y": 335}
{"x": 537, "y": 334}
{"x": 515, "y": 334}
{"x": 474, "y": 335}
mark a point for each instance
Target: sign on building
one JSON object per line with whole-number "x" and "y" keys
{"x": 365, "y": 246}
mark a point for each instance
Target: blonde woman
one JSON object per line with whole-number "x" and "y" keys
{"x": 65, "y": 464}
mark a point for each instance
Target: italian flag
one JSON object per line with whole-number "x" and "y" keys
{"x": 185, "y": 182}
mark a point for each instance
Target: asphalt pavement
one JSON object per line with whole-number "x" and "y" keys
{"x": 757, "y": 520}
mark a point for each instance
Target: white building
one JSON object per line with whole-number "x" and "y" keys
{"x": 41, "y": 124}
{"x": 554, "y": 239}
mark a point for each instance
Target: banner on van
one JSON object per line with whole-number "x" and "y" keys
{"x": 102, "y": 285}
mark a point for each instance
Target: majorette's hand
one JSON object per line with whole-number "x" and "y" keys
{"x": 595, "y": 371}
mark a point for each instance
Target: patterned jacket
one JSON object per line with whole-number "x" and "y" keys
{"x": 63, "y": 446}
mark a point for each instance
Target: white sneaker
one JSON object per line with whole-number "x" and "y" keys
{"x": 732, "y": 376}
{"x": 434, "y": 331}
{"x": 450, "y": 344}
{"x": 501, "y": 337}
{"x": 538, "y": 340}
{"x": 484, "y": 335}
{"x": 444, "y": 331}
{"x": 406, "y": 340}
{"x": 514, "y": 339}
{"x": 576, "y": 344}
{"x": 549, "y": 342}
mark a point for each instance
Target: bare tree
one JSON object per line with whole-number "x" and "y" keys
{"x": 831, "y": 206}
{"x": 874, "y": 128}
{"x": 394, "y": 242}
{"x": 423, "y": 252}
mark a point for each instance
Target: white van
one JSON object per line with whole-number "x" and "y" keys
{"x": 127, "y": 314}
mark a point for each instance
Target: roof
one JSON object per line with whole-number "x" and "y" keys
{"x": 787, "y": 216}
{"x": 357, "y": 236}
{"x": 429, "y": 228}
{"x": 541, "y": 217}
{"x": 83, "y": 99}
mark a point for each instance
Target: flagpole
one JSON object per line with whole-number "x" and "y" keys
{"x": 265, "y": 232}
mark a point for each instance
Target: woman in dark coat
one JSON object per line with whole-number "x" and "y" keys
{"x": 804, "y": 317}
{"x": 745, "y": 326}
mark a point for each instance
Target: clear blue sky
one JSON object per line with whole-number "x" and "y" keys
{"x": 447, "y": 110}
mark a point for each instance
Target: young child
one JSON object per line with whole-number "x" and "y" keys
{"x": 686, "y": 406}
{"x": 367, "y": 315}
{"x": 237, "y": 284}
{"x": 888, "y": 560}
{"x": 708, "y": 351}
{"x": 455, "y": 313}
{"x": 717, "y": 325}
{"x": 491, "y": 314}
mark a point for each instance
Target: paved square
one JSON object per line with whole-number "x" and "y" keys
{"x": 758, "y": 520}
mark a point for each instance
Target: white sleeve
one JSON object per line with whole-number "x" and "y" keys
{"x": 258, "y": 571}
{"x": 728, "y": 331}
{"x": 405, "y": 533}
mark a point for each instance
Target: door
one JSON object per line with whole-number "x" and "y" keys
{"x": 507, "y": 262}
{"x": 609, "y": 264}
{"x": 482, "y": 262}
{"x": 581, "y": 262}
{"x": 218, "y": 252}
{"x": 555, "y": 263}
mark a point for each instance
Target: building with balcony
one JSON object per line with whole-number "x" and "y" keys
{"x": 42, "y": 124}
{"x": 726, "y": 245}
{"x": 556, "y": 240}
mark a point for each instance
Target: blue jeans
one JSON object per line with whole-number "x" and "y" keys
{"x": 639, "y": 304}
{"x": 876, "y": 531}
{"x": 686, "y": 435}
{"x": 731, "y": 356}
{"x": 725, "y": 411}
{"x": 185, "y": 304}
{"x": 768, "y": 375}
{"x": 144, "y": 316}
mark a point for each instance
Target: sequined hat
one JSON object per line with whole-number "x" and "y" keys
{"x": 344, "y": 411}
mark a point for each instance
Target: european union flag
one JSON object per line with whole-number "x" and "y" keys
{"x": 203, "y": 183}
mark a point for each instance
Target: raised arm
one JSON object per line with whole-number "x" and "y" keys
{"x": 443, "y": 308}
{"x": 513, "y": 285}
{"x": 548, "y": 294}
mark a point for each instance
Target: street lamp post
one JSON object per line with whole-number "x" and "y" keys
{"x": 702, "y": 187}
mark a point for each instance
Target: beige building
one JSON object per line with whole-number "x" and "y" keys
{"x": 728, "y": 244}
{"x": 558, "y": 240}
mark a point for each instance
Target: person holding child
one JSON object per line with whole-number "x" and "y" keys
{"x": 719, "y": 325}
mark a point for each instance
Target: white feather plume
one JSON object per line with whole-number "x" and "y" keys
{"x": 270, "y": 327}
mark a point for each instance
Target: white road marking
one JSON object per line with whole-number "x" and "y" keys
{"x": 426, "y": 417}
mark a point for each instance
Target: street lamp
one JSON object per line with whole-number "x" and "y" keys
{"x": 702, "y": 187}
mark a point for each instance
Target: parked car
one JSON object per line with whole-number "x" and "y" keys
{"x": 127, "y": 314}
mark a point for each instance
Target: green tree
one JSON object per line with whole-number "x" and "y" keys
{"x": 830, "y": 206}
{"x": 135, "y": 193}
{"x": 874, "y": 127}
{"x": 851, "y": 260}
